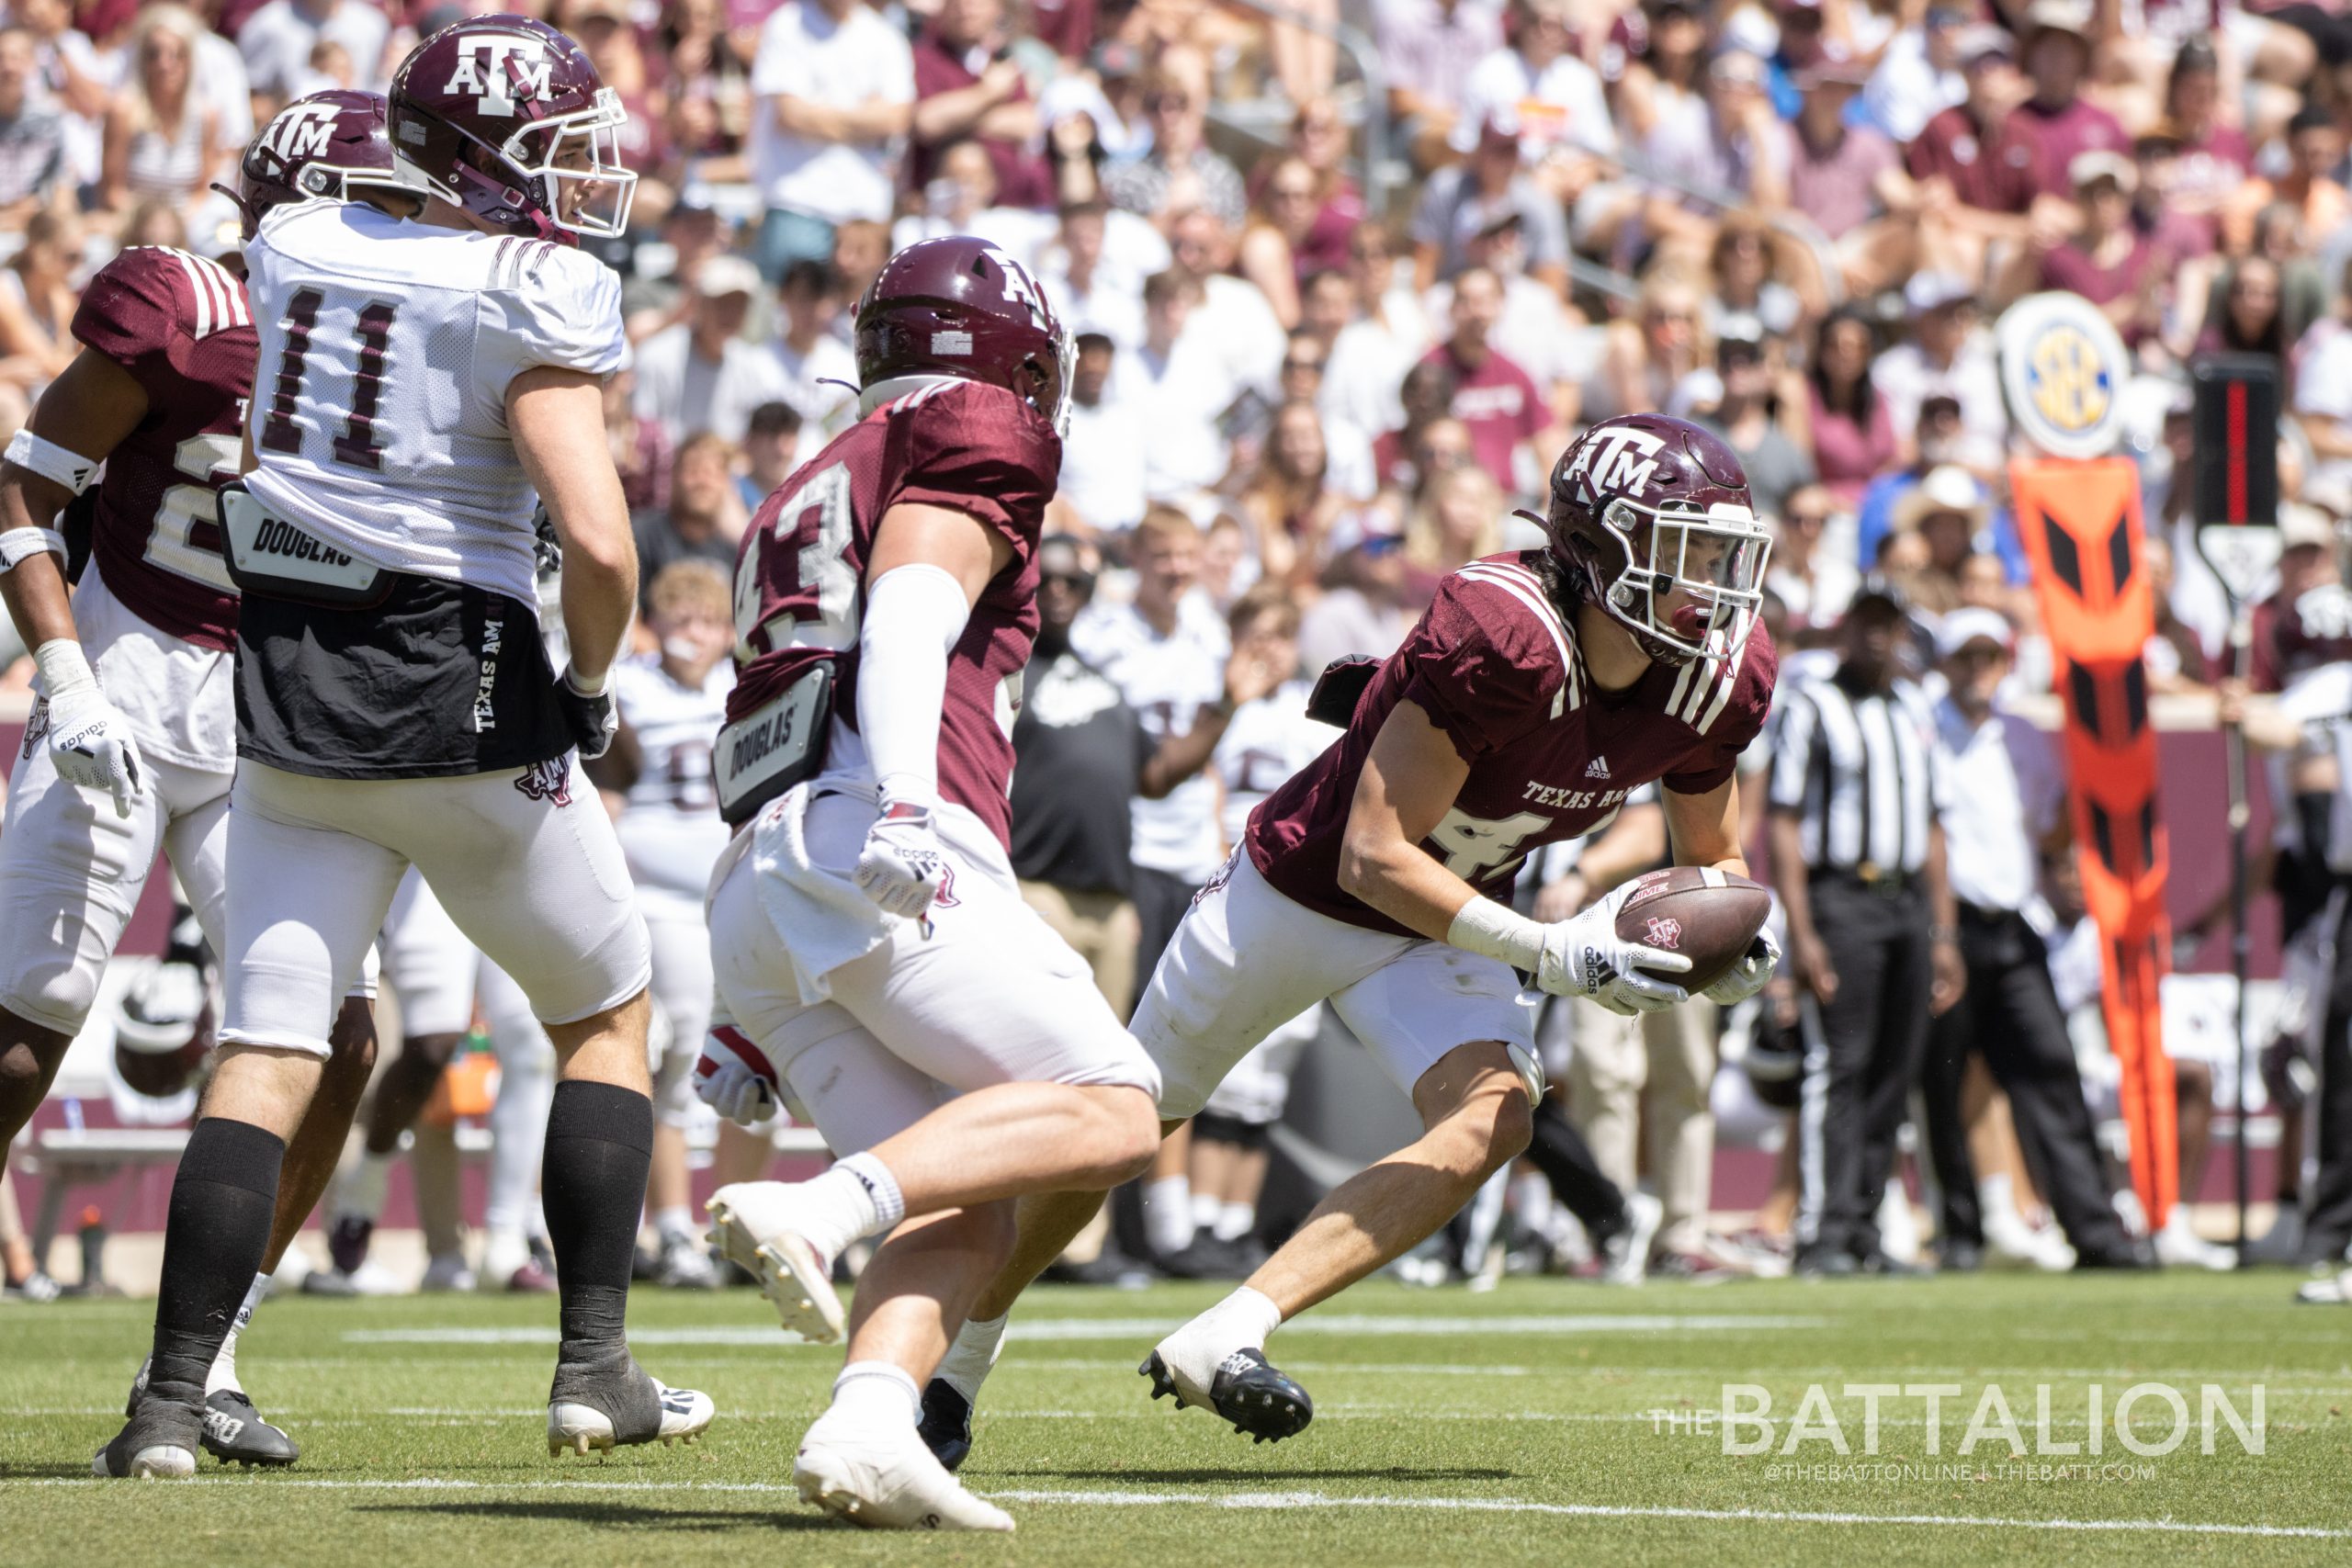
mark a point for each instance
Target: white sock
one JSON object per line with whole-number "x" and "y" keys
{"x": 675, "y": 1221}
{"x": 1206, "y": 1209}
{"x": 1168, "y": 1214}
{"x": 1241, "y": 1321}
{"x": 224, "y": 1365}
{"x": 503, "y": 1250}
{"x": 1235, "y": 1220}
{"x": 856, "y": 1199}
{"x": 363, "y": 1190}
{"x": 876, "y": 1393}
{"x": 968, "y": 1361}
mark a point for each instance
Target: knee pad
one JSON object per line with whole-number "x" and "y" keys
{"x": 1248, "y": 1136}
{"x": 51, "y": 989}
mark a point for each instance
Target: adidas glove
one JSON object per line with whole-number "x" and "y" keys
{"x": 593, "y": 716}
{"x": 89, "y": 741}
{"x": 904, "y": 868}
{"x": 1750, "y": 975}
{"x": 1584, "y": 956}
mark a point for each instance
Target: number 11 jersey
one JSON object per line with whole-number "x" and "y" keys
{"x": 387, "y": 347}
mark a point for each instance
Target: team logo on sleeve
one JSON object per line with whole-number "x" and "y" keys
{"x": 499, "y": 68}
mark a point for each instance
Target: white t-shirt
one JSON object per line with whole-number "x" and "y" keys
{"x": 804, "y": 53}
{"x": 1103, "y": 463}
{"x": 276, "y": 41}
{"x": 451, "y": 316}
{"x": 1562, "y": 107}
{"x": 1265, "y": 742}
{"x": 686, "y": 394}
{"x": 812, "y": 381}
{"x": 1235, "y": 321}
{"x": 1905, "y": 379}
{"x": 1178, "y": 399}
{"x": 669, "y": 829}
{"x": 1166, "y": 680}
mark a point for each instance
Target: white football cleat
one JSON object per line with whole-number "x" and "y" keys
{"x": 886, "y": 1481}
{"x": 2178, "y": 1247}
{"x": 685, "y": 1413}
{"x": 753, "y": 1228}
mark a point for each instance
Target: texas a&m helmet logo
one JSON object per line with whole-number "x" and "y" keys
{"x": 501, "y": 68}
{"x": 301, "y": 130}
{"x": 1616, "y": 460}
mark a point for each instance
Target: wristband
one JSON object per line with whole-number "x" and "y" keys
{"x": 1492, "y": 930}
{"x": 49, "y": 460}
{"x": 579, "y": 688}
{"x": 19, "y": 545}
{"x": 64, "y": 668}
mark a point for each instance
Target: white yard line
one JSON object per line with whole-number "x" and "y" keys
{"x": 1146, "y": 1329}
{"x": 1287, "y": 1501}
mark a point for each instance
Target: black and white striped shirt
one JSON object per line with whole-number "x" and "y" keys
{"x": 1860, "y": 769}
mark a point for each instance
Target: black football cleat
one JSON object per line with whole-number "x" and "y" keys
{"x": 946, "y": 1424}
{"x": 1248, "y": 1391}
{"x": 235, "y": 1433}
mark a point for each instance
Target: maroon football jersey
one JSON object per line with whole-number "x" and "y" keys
{"x": 179, "y": 324}
{"x": 2291, "y": 640}
{"x": 1496, "y": 666}
{"x": 800, "y": 574}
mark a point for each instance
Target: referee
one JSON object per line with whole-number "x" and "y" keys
{"x": 2000, "y": 783}
{"x": 1857, "y": 859}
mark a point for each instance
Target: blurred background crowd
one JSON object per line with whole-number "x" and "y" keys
{"x": 1345, "y": 276}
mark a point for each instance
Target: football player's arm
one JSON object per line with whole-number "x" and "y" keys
{"x": 557, "y": 417}
{"x": 1705, "y": 828}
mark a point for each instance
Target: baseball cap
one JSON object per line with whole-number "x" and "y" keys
{"x": 722, "y": 276}
{"x": 1933, "y": 291}
{"x": 1986, "y": 42}
{"x": 1968, "y": 624}
{"x": 2088, "y": 168}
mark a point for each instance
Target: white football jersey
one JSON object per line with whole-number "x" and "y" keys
{"x": 387, "y": 346}
{"x": 670, "y": 829}
{"x": 1166, "y": 681}
{"x": 1266, "y": 743}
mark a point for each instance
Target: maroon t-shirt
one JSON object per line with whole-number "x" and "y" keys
{"x": 1494, "y": 663}
{"x": 1500, "y": 405}
{"x": 2059, "y": 136}
{"x": 1991, "y": 174}
{"x": 179, "y": 324}
{"x": 2072, "y": 268}
{"x": 966, "y": 445}
{"x": 1023, "y": 177}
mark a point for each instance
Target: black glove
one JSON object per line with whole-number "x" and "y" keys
{"x": 592, "y": 720}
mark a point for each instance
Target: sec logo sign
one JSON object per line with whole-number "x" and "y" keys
{"x": 2062, "y": 369}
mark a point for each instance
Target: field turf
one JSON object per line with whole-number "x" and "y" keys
{"x": 1522, "y": 1426}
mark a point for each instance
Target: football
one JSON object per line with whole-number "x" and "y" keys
{"x": 1708, "y": 916}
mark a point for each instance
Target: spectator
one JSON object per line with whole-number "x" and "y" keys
{"x": 277, "y": 40}
{"x": 1350, "y": 472}
{"x": 2251, "y": 317}
{"x": 163, "y": 139}
{"x": 707, "y": 90}
{"x": 1091, "y": 293}
{"x": 32, "y": 138}
{"x": 1743, "y": 267}
{"x": 602, "y": 29}
{"x": 1318, "y": 138}
{"x": 1733, "y": 148}
{"x": 860, "y": 248}
{"x": 1645, "y": 359}
{"x": 1280, "y": 226}
{"x": 1537, "y": 81}
{"x": 818, "y": 369}
{"x": 1847, "y": 179}
{"x": 1460, "y": 520}
{"x": 1179, "y": 392}
{"x": 2322, "y": 391}
{"x": 1947, "y": 511}
{"x": 1233, "y": 316}
{"x": 834, "y": 90}
{"x": 694, "y": 234}
{"x": 1226, "y": 570}
{"x": 1371, "y": 355}
{"x": 1946, "y": 356}
{"x": 2055, "y": 121}
{"x": 774, "y": 444}
{"x": 1973, "y": 162}
{"x": 1919, "y": 75}
{"x": 702, "y": 522}
{"x": 643, "y": 451}
{"x": 1178, "y": 174}
{"x": 1751, "y": 420}
{"x": 968, "y": 85}
{"x": 2315, "y": 150}
{"x": 1289, "y": 505}
{"x": 1658, "y": 70}
{"x": 1502, "y": 406}
{"x": 2210, "y": 189}
{"x": 1813, "y": 585}
{"x": 2105, "y": 260}
{"x": 1469, "y": 199}
{"x": 1327, "y": 306}
{"x": 1852, "y": 428}
{"x": 1428, "y": 398}
{"x": 701, "y": 375}
{"x": 1428, "y": 50}
{"x": 1103, "y": 457}
{"x": 1365, "y": 609}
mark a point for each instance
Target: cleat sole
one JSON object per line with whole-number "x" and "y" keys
{"x": 789, "y": 1274}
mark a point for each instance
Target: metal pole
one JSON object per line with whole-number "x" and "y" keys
{"x": 2241, "y": 941}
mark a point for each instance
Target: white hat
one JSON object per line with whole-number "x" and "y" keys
{"x": 1946, "y": 489}
{"x": 1932, "y": 291}
{"x": 723, "y": 274}
{"x": 1969, "y": 623}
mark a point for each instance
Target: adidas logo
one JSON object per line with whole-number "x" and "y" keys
{"x": 1596, "y": 769}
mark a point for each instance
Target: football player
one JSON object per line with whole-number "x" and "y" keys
{"x": 671, "y": 704}
{"x": 1538, "y": 690}
{"x": 131, "y": 750}
{"x": 868, "y": 935}
{"x": 419, "y": 379}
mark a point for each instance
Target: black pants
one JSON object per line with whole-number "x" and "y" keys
{"x": 1160, "y": 902}
{"x": 2010, "y": 1017}
{"x": 2328, "y": 1213}
{"x": 1859, "y": 1061}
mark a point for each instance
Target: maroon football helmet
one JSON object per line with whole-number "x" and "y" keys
{"x": 1651, "y": 514}
{"x": 507, "y": 118}
{"x": 959, "y": 307}
{"x": 328, "y": 145}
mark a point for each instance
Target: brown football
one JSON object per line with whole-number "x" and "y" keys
{"x": 1707, "y": 916}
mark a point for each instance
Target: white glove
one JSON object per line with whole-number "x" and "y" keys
{"x": 89, "y": 741}
{"x": 903, "y": 867}
{"x": 734, "y": 1078}
{"x": 1584, "y": 956}
{"x": 1747, "y": 977}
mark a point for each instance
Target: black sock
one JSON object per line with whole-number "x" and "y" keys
{"x": 222, "y": 1200}
{"x": 599, "y": 1145}
{"x": 1560, "y": 1151}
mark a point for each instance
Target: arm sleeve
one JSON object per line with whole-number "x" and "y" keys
{"x": 913, "y": 616}
{"x": 1480, "y": 668}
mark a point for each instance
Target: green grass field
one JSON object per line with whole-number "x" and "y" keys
{"x": 1518, "y": 1427}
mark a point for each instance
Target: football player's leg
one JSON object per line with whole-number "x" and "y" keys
{"x": 71, "y": 872}
{"x": 681, "y": 981}
{"x": 304, "y": 900}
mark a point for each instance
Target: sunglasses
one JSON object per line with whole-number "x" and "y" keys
{"x": 1169, "y": 103}
{"x": 1313, "y": 365}
{"x": 1083, "y": 581}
